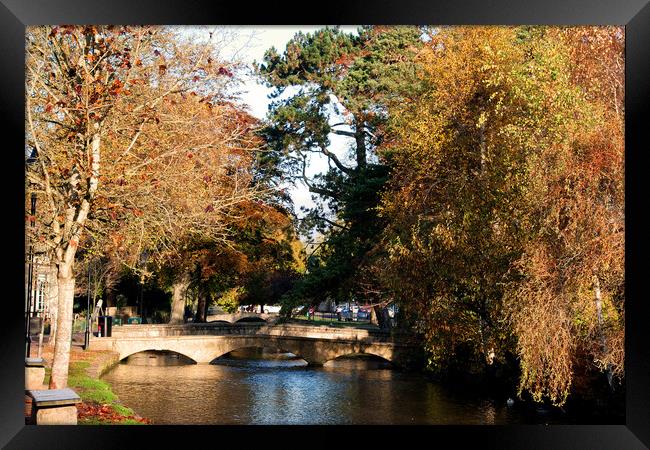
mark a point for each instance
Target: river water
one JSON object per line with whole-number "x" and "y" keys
{"x": 255, "y": 386}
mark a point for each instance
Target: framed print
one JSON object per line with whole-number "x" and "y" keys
{"x": 421, "y": 220}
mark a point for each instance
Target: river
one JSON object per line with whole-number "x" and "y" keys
{"x": 255, "y": 386}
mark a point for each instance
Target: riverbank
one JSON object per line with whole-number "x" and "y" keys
{"x": 100, "y": 405}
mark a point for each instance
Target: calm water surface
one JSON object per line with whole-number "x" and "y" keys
{"x": 253, "y": 386}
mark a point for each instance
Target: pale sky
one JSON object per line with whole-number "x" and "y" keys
{"x": 248, "y": 44}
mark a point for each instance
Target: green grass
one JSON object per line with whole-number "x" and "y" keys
{"x": 94, "y": 421}
{"x": 123, "y": 410}
{"x": 90, "y": 421}
{"x": 92, "y": 390}
{"x": 96, "y": 392}
{"x": 130, "y": 422}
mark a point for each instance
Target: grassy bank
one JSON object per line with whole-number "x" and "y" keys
{"x": 100, "y": 405}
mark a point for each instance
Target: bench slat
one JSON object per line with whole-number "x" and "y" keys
{"x": 53, "y": 397}
{"x": 35, "y": 362}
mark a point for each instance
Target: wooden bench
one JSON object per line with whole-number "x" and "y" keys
{"x": 54, "y": 406}
{"x": 34, "y": 373}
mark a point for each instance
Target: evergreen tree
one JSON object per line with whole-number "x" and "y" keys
{"x": 331, "y": 82}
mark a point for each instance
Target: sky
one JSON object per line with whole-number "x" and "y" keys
{"x": 248, "y": 44}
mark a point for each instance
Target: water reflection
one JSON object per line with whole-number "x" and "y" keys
{"x": 269, "y": 386}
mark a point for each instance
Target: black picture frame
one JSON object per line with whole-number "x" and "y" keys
{"x": 15, "y": 15}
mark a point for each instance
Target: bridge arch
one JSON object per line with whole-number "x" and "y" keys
{"x": 332, "y": 352}
{"x": 170, "y": 353}
{"x": 251, "y": 319}
{"x": 220, "y": 321}
{"x": 369, "y": 357}
{"x": 260, "y": 342}
{"x": 128, "y": 354}
{"x": 278, "y": 349}
{"x": 129, "y": 348}
{"x": 239, "y": 317}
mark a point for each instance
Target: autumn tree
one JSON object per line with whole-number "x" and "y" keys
{"x": 457, "y": 149}
{"x": 274, "y": 253}
{"x": 567, "y": 304}
{"x": 195, "y": 197}
{"x": 505, "y": 203}
{"x": 258, "y": 268}
{"x": 116, "y": 115}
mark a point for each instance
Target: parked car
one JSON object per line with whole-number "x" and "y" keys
{"x": 363, "y": 314}
{"x": 346, "y": 314}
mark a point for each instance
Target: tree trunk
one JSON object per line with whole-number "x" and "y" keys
{"x": 65, "y": 254}
{"x": 178, "y": 301}
{"x": 599, "y": 312}
{"x": 379, "y": 316}
{"x": 61, "y": 357}
{"x": 201, "y": 307}
{"x": 360, "y": 139}
{"x": 52, "y": 304}
{"x": 110, "y": 298}
{"x": 483, "y": 148}
{"x": 384, "y": 319}
{"x": 373, "y": 316}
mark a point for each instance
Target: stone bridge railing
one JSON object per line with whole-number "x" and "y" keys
{"x": 252, "y": 328}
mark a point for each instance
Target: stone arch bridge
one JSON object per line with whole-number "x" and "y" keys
{"x": 204, "y": 343}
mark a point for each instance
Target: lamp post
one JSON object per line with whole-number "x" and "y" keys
{"x": 143, "y": 319}
{"x": 88, "y": 324}
{"x": 144, "y": 256}
{"x": 31, "y": 159}
{"x": 30, "y": 280}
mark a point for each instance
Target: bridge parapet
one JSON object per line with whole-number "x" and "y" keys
{"x": 188, "y": 329}
{"x": 253, "y": 329}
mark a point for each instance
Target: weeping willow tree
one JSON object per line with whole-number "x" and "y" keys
{"x": 505, "y": 205}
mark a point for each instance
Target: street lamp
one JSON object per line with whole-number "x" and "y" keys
{"x": 30, "y": 279}
{"x": 144, "y": 256}
{"x": 88, "y": 324}
{"x": 30, "y": 271}
{"x": 143, "y": 320}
